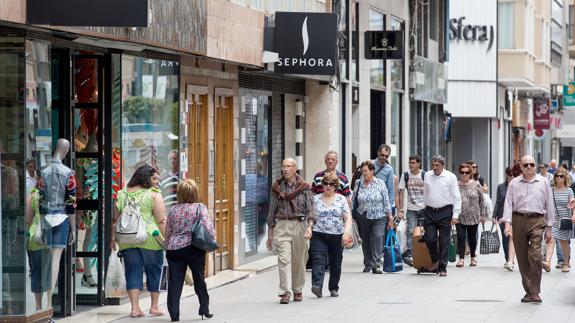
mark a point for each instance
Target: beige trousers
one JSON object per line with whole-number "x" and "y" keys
{"x": 291, "y": 247}
{"x": 527, "y": 236}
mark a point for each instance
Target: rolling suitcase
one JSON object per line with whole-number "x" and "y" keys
{"x": 420, "y": 253}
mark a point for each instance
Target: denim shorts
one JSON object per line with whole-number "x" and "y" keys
{"x": 57, "y": 237}
{"x": 136, "y": 261}
{"x": 40, "y": 270}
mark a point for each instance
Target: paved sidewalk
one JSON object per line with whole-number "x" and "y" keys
{"x": 487, "y": 293}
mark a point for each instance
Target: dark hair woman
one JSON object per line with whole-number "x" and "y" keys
{"x": 375, "y": 214}
{"x": 148, "y": 256}
{"x": 180, "y": 252}
{"x": 472, "y": 213}
{"x": 508, "y": 249}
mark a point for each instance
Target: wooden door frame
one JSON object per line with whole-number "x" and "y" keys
{"x": 191, "y": 91}
{"x": 229, "y": 172}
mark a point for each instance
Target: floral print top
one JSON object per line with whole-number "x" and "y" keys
{"x": 181, "y": 219}
{"x": 373, "y": 199}
{"x": 330, "y": 217}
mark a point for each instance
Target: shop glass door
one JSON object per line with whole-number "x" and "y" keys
{"x": 87, "y": 158}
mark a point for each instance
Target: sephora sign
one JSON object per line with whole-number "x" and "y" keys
{"x": 306, "y": 43}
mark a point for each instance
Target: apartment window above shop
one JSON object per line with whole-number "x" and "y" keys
{"x": 556, "y": 31}
{"x": 570, "y": 25}
{"x": 506, "y": 24}
{"x": 377, "y": 66}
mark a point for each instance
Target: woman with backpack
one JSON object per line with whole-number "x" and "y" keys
{"x": 181, "y": 254}
{"x": 141, "y": 200}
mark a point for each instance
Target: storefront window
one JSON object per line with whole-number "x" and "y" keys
{"x": 377, "y": 66}
{"x": 150, "y": 113}
{"x": 255, "y": 168}
{"x": 354, "y": 66}
{"x": 396, "y": 65}
{"x": 395, "y": 127}
{"x": 25, "y": 146}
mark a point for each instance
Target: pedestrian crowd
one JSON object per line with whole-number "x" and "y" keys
{"x": 313, "y": 223}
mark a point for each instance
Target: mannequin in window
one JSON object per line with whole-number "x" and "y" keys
{"x": 57, "y": 208}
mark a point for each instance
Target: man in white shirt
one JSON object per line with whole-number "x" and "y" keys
{"x": 572, "y": 174}
{"x": 443, "y": 206}
{"x": 411, "y": 181}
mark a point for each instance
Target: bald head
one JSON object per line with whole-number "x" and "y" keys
{"x": 553, "y": 163}
{"x": 528, "y": 167}
{"x": 289, "y": 168}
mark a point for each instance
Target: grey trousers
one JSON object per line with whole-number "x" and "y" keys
{"x": 372, "y": 233}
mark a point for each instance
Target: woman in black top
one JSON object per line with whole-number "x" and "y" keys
{"x": 508, "y": 248}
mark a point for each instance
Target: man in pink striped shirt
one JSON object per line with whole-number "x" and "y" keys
{"x": 528, "y": 214}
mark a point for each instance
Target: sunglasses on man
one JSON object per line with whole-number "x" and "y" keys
{"x": 329, "y": 184}
{"x": 527, "y": 165}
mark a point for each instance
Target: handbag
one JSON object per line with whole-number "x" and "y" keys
{"x": 355, "y": 205}
{"x": 355, "y": 234}
{"x": 392, "y": 260}
{"x": 39, "y": 236}
{"x": 489, "y": 240}
{"x": 564, "y": 224}
{"x": 452, "y": 248}
{"x": 201, "y": 237}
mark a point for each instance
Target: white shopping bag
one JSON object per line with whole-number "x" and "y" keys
{"x": 401, "y": 233}
{"x": 115, "y": 280}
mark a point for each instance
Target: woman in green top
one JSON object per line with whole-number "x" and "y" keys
{"x": 38, "y": 254}
{"x": 148, "y": 256}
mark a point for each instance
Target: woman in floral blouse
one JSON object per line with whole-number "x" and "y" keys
{"x": 471, "y": 214}
{"x": 375, "y": 214}
{"x": 331, "y": 231}
{"x": 180, "y": 252}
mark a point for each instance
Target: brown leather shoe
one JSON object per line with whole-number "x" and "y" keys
{"x": 526, "y": 299}
{"x": 285, "y": 298}
{"x": 297, "y": 297}
{"x": 535, "y": 299}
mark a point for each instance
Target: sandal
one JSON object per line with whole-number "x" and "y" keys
{"x": 473, "y": 262}
{"x": 546, "y": 266}
{"x": 460, "y": 263}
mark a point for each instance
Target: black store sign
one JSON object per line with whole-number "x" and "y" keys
{"x": 384, "y": 44}
{"x": 306, "y": 43}
{"x": 101, "y": 13}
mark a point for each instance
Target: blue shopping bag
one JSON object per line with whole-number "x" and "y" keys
{"x": 392, "y": 260}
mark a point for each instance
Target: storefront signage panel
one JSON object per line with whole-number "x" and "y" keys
{"x": 541, "y": 114}
{"x": 306, "y": 43}
{"x": 100, "y": 13}
{"x": 384, "y": 44}
{"x": 459, "y": 30}
{"x": 472, "y": 71}
{"x": 569, "y": 95}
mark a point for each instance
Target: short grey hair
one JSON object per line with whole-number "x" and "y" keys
{"x": 438, "y": 158}
{"x": 331, "y": 152}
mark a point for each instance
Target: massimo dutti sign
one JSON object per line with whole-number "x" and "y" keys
{"x": 384, "y": 44}
{"x": 306, "y": 43}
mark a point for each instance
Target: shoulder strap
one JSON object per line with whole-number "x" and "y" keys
{"x": 422, "y": 175}
{"x": 379, "y": 170}
{"x": 406, "y": 179}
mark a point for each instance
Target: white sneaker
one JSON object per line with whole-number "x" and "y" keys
{"x": 508, "y": 266}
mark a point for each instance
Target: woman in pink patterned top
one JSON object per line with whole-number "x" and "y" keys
{"x": 180, "y": 252}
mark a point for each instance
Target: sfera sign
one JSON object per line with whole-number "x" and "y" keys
{"x": 458, "y": 30}
{"x": 306, "y": 43}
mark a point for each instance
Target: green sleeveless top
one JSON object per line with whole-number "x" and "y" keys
{"x": 33, "y": 245}
{"x": 146, "y": 210}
